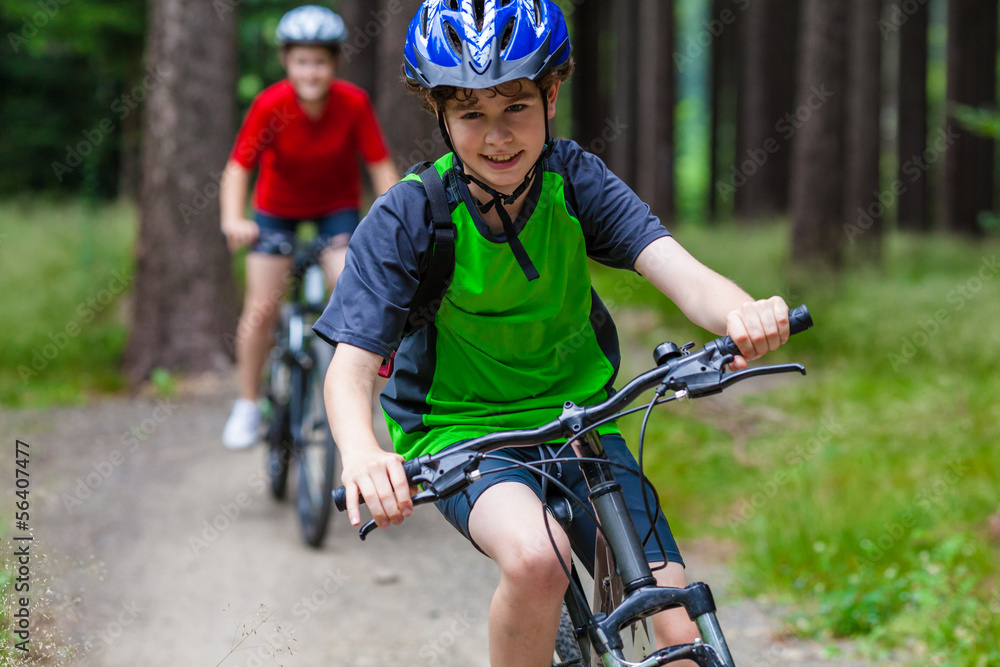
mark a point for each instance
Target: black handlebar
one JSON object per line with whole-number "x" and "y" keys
{"x": 696, "y": 374}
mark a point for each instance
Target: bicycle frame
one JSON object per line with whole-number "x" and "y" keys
{"x": 301, "y": 437}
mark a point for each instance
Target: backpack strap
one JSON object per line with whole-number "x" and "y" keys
{"x": 427, "y": 299}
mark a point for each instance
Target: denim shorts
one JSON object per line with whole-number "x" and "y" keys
{"x": 277, "y": 235}
{"x": 582, "y": 531}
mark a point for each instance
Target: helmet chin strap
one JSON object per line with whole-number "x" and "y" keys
{"x": 500, "y": 200}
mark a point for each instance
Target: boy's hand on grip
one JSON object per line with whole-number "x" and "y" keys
{"x": 758, "y": 327}
{"x": 381, "y": 480}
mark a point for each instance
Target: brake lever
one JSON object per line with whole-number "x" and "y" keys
{"x": 704, "y": 373}
{"x": 698, "y": 374}
{"x": 729, "y": 379}
{"x": 427, "y": 495}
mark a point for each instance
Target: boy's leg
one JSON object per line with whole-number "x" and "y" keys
{"x": 265, "y": 290}
{"x": 507, "y": 523}
{"x": 673, "y": 626}
{"x": 337, "y": 228}
{"x": 333, "y": 259}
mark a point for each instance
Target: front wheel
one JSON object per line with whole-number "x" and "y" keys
{"x": 279, "y": 428}
{"x": 568, "y": 652}
{"x": 316, "y": 461}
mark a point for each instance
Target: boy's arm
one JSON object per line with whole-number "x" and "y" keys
{"x": 232, "y": 201}
{"x": 714, "y": 302}
{"x": 383, "y": 175}
{"x": 368, "y": 469}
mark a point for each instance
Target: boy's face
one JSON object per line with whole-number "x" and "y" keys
{"x": 310, "y": 69}
{"x": 499, "y": 136}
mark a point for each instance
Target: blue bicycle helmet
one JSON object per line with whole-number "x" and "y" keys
{"x": 483, "y": 43}
{"x": 311, "y": 25}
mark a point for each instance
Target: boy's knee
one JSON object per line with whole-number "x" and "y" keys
{"x": 672, "y": 575}
{"x": 260, "y": 313}
{"x": 534, "y": 564}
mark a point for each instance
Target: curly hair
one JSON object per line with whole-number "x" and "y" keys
{"x": 432, "y": 99}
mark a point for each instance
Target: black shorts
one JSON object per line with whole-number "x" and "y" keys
{"x": 277, "y": 235}
{"x": 582, "y": 532}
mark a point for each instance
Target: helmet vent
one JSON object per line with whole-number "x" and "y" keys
{"x": 539, "y": 16}
{"x": 479, "y": 12}
{"x": 504, "y": 3}
{"x": 423, "y": 21}
{"x": 453, "y": 38}
{"x": 506, "y": 34}
{"x": 452, "y": 5}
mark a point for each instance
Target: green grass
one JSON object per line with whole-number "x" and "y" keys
{"x": 868, "y": 499}
{"x": 66, "y": 270}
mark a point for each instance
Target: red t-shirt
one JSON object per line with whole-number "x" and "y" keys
{"x": 308, "y": 167}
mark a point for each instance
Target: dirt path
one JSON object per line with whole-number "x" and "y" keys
{"x": 160, "y": 546}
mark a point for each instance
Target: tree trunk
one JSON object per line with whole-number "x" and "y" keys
{"x": 358, "y": 62}
{"x": 912, "y": 209}
{"x": 654, "y": 177}
{"x": 724, "y": 110}
{"x": 590, "y": 99}
{"x": 865, "y": 203}
{"x": 621, "y": 148}
{"x": 185, "y": 302}
{"x": 129, "y": 166}
{"x": 972, "y": 80}
{"x": 818, "y": 153}
{"x": 411, "y": 132}
{"x": 769, "y": 31}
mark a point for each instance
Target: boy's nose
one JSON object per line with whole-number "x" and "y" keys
{"x": 498, "y": 133}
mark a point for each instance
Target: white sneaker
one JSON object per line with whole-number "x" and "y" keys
{"x": 241, "y": 427}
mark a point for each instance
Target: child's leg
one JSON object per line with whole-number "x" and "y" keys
{"x": 508, "y": 524}
{"x": 673, "y": 626}
{"x": 333, "y": 259}
{"x": 265, "y": 290}
{"x": 337, "y": 229}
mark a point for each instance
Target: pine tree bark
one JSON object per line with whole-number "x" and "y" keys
{"x": 912, "y": 207}
{"x": 185, "y": 302}
{"x": 621, "y": 148}
{"x": 411, "y": 132}
{"x": 972, "y": 57}
{"x": 724, "y": 110}
{"x": 818, "y": 156}
{"x": 864, "y": 207}
{"x": 654, "y": 177}
{"x": 358, "y": 62}
{"x": 768, "y": 44}
{"x": 590, "y": 99}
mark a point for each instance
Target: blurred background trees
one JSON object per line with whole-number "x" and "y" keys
{"x": 845, "y": 119}
{"x": 735, "y": 75}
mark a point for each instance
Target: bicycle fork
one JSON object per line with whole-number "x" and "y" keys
{"x": 629, "y": 558}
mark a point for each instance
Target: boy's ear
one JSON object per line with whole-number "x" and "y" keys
{"x": 553, "y": 95}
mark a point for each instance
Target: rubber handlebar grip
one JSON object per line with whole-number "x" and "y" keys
{"x": 799, "y": 320}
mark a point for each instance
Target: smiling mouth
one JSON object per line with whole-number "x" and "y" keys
{"x": 500, "y": 159}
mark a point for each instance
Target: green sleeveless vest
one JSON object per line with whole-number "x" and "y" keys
{"x": 510, "y": 352}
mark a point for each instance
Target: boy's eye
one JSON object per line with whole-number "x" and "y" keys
{"x": 517, "y": 107}
{"x": 471, "y": 115}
